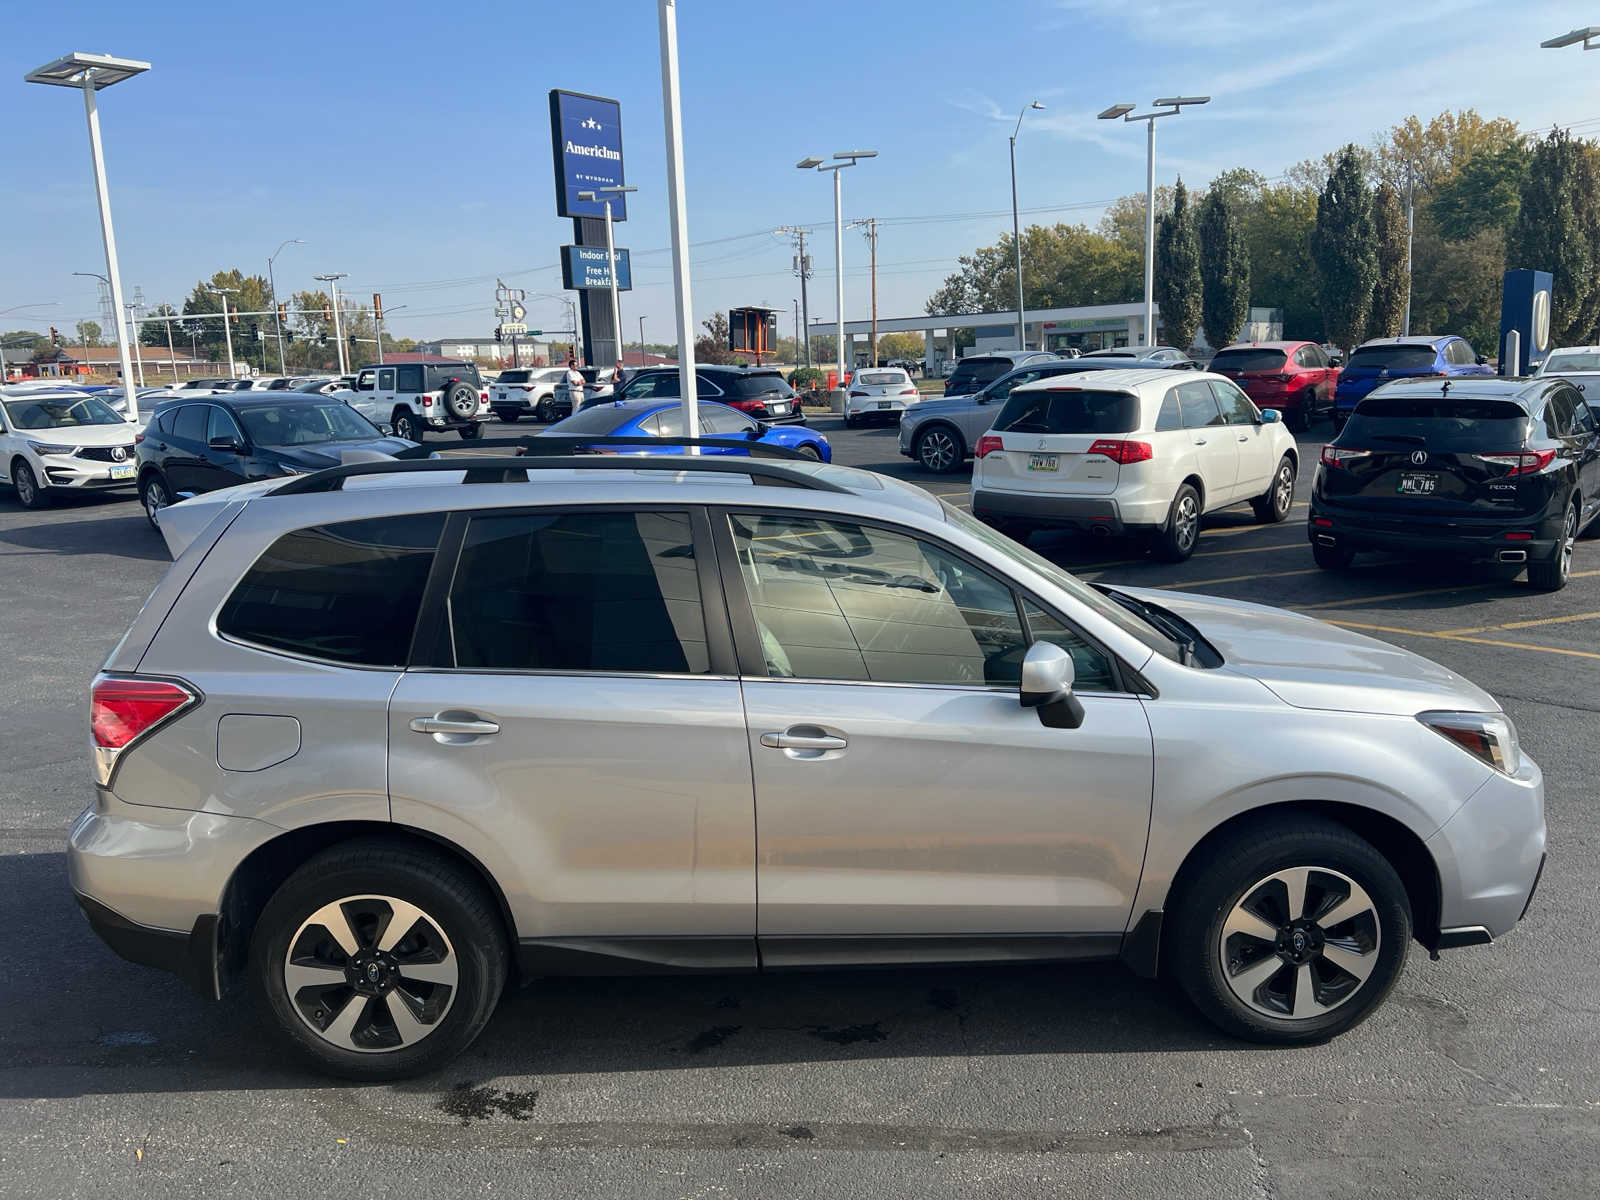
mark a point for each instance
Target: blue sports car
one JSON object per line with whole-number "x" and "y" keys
{"x": 664, "y": 418}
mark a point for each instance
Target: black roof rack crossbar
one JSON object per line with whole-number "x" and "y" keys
{"x": 560, "y": 445}
{"x": 504, "y": 469}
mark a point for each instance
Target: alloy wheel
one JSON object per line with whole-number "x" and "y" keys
{"x": 1300, "y": 943}
{"x": 1569, "y": 535}
{"x": 937, "y": 450}
{"x": 27, "y": 487}
{"x": 155, "y": 497}
{"x": 1188, "y": 521}
{"x": 1283, "y": 488}
{"x": 371, "y": 973}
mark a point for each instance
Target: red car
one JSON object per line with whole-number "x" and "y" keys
{"x": 1293, "y": 377}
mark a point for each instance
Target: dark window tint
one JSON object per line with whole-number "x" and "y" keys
{"x": 1064, "y": 409}
{"x": 1444, "y": 424}
{"x": 443, "y": 375}
{"x": 1582, "y": 418}
{"x": 1254, "y": 359}
{"x": 222, "y": 425}
{"x": 1171, "y": 415}
{"x": 1236, "y": 406}
{"x": 347, "y": 592}
{"x": 597, "y": 591}
{"x": 601, "y": 419}
{"x": 719, "y": 420}
{"x": 641, "y": 388}
{"x": 164, "y": 420}
{"x": 1199, "y": 405}
{"x": 1558, "y": 414}
{"x": 1404, "y": 358}
{"x": 409, "y": 378}
{"x": 757, "y": 383}
{"x": 191, "y": 423}
{"x": 973, "y": 373}
{"x": 834, "y": 600}
{"x": 1006, "y": 384}
{"x": 514, "y": 376}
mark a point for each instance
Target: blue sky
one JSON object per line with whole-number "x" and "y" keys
{"x": 408, "y": 143}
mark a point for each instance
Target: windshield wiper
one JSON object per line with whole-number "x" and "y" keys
{"x": 1161, "y": 620}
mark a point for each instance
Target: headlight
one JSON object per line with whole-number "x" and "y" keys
{"x": 1488, "y": 736}
{"x": 50, "y": 448}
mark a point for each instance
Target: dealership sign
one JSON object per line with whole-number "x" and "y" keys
{"x": 590, "y": 267}
{"x": 586, "y": 135}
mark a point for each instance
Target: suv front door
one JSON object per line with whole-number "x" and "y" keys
{"x": 1215, "y": 450}
{"x": 902, "y": 792}
{"x": 572, "y": 714}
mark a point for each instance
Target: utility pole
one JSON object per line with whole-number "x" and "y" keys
{"x": 871, "y": 226}
{"x": 802, "y": 268}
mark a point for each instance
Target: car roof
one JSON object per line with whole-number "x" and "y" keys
{"x": 1007, "y": 355}
{"x": 1126, "y": 379}
{"x": 1418, "y": 339}
{"x": 1278, "y": 345}
{"x": 1478, "y": 387}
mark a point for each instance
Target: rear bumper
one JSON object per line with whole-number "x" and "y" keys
{"x": 1092, "y": 514}
{"x": 1471, "y": 541}
{"x": 191, "y": 956}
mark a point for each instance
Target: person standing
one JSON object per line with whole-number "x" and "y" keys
{"x": 616, "y": 376}
{"x": 575, "y": 384}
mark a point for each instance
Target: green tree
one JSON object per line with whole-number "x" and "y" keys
{"x": 1277, "y": 235}
{"x": 88, "y": 334}
{"x": 1123, "y": 221}
{"x": 249, "y": 293}
{"x": 23, "y": 345}
{"x": 1389, "y": 288}
{"x": 1435, "y": 152}
{"x": 154, "y": 333}
{"x": 1177, "y": 276}
{"x": 1486, "y": 193}
{"x": 1342, "y": 247}
{"x": 1456, "y": 283}
{"x": 900, "y": 345}
{"x": 1061, "y": 265}
{"x": 1224, "y": 268}
{"x": 1555, "y": 231}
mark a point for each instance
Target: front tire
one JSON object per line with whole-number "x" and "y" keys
{"x": 358, "y": 999}
{"x": 1551, "y": 575}
{"x": 807, "y": 450}
{"x": 938, "y": 448}
{"x": 1292, "y": 931}
{"x": 1176, "y": 542}
{"x": 406, "y": 425}
{"x": 155, "y": 495}
{"x": 1273, "y": 505}
{"x": 29, "y": 493}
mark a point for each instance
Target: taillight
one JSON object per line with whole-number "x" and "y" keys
{"x": 858, "y": 394}
{"x": 910, "y": 391}
{"x": 1523, "y": 463}
{"x": 1341, "y": 456}
{"x": 124, "y": 710}
{"x": 1124, "y": 452}
{"x": 987, "y": 444}
{"x": 427, "y": 402}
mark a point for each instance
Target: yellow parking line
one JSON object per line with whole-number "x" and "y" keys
{"x": 1588, "y": 616}
{"x": 1434, "y": 591}
{"x": 1186, "y": 584}
{"x": 1454, "y": 637}
{"x": 1133, "y": 562}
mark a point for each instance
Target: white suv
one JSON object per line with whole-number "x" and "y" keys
{"x": 1132, "y": 452}
{"x": 413, "y": 398}
{"x": 520, "y": 391}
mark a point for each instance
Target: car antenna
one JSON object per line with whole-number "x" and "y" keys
{"x": 1445, "y": 389}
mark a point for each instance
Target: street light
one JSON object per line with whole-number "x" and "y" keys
{"x": 848, "y": 158}
{"x": 233, "y": 371}
{"x": 272, "y": 283}
{"x": 604, "y": 196}
{"x": 138, "y": 354}
{"x": 1585, "y": 35}
{"x": 1172, "y": 105}
{"x": 338, "y": 326}
{"x": 1016, "y": 233}
{"x": 93, "y": 72}
{"x": 49, "y": 303}
{"x": 678, "y": 218}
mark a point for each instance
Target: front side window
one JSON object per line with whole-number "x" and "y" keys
{"x": 1001, "y": 388}
{"x": 1236, "y": 406}
{"x": 348, "y": 592}
{"x": 836, "y": 600}
{"x": 222, "y": 425}
{"x": 641, "y": 388}
{"x": 591, "y": 591}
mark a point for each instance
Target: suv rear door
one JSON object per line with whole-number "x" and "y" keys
{"x": 573, "y": 709}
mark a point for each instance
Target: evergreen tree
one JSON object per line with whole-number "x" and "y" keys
{"x": 1342, "y": 246}
{"x": 1390, "y": 289}
{"x": 1555, "y": 232}
{"x": 1224, "y": 269}
{"x": 1177, "y": 272}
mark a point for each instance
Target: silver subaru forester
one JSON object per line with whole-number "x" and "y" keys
{"x": 389, "y": 736}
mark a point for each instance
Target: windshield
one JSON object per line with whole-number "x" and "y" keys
{"x": 1404, "y": 358}
{"x": 305, "y": 424}
{"x": 1147, "y": 634}
{"x": 1248, "y": 360}
{"x": 1586, "y": 360}
{"x": 1068, "y": 410}
{"x": 44, "y": 413}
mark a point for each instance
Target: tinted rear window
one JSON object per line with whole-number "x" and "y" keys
{"x": 979, "y": 371}
{"x": 1069, "y": 411}
{"x": 1444, "y": 423}
{"x": 348, "y": 592}
{"x": 762, "y": 383}
{"x": 514, "y": 376}
{"x": 1402, "y": 357}
{"x": 1248, "y": 360}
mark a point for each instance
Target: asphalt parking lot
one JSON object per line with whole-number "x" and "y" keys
{"x": 1479, "y": 1077}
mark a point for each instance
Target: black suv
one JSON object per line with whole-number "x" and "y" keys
{"x": 1491, "y": 470}
{"x": 758, "y": 392}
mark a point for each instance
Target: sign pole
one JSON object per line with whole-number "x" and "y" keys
{"x": 681, "y": 290}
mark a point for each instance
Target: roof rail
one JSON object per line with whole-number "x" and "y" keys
{"x": 548, "y": 445}
{"x": 510, "y": 469}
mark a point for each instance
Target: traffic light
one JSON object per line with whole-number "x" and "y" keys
{"x": 55, "y": 338}
{"x": 283, "y": 315}
{"x": 497, "y": 336}
{"x": 377, "y": 306}
{"x": 327, "y": 312}
{"x": 288, "y": 336}
{"x": 255, "y": 331}
{"x": 322, "y": 339}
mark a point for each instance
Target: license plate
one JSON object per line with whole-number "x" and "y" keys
{"x": 1044, "y": 462}
{"x": 1418, "y": 485}
{"x": 885, "y": 403}
{"x": 122, "y": 470}
{"x": 780, "y": 408}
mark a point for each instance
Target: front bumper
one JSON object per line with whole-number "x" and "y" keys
{"x": 1466, "y": 540}
{"x": 81, "y": 474}
{"x": 1491, "y": 855}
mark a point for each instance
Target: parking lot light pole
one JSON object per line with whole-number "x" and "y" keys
{"x": 678, "y": 218}
{"x": 273, "y": 284}
{"x": 92, "y": 73}
{"x": 1170, "y": 107}
{"x": 1016, "y": 232}
{"x": 138, "y": 354}
{"x": 604, "y": 196}
{"x": 338, "y": 325}
{"x": 233, "y": 372}
{"x": 848, "y": 159}
{"x": 1588, "y": 37}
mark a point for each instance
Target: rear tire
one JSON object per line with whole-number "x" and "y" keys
{"x": 851, "y": 422}
{"x": 1263, "y": 897}
{"x": 546, "y": 411}
{"x": 1332, "y": 558}
{"x": 1274, "y": 504}
{"x": 471, "y": 433}
{"x": 509, "y": 415}
{"x": 1551, "y": 575}
{"x": 455, "y": 942}
{"x": 406, "y": 425}
{"x": 1176, "y": 542}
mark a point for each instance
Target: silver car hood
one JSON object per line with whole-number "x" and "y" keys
{"x": 1311, "y": 664}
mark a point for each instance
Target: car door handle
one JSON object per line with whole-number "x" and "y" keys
{"x": 801, "y": 741}
{"x": 1199, "y": 441}
{"x": 1244, "y": 437}
{"x": 471, "y": 726}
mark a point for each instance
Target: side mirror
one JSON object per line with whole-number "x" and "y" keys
{"x": 226, "y": 444}
{"x": 1483, "y": 360}
{"x": 1270, "y": 416}
{"x": 754, "y": 432}
{"x": 1047, "y": 686}
{"x": 386, "y": 429}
